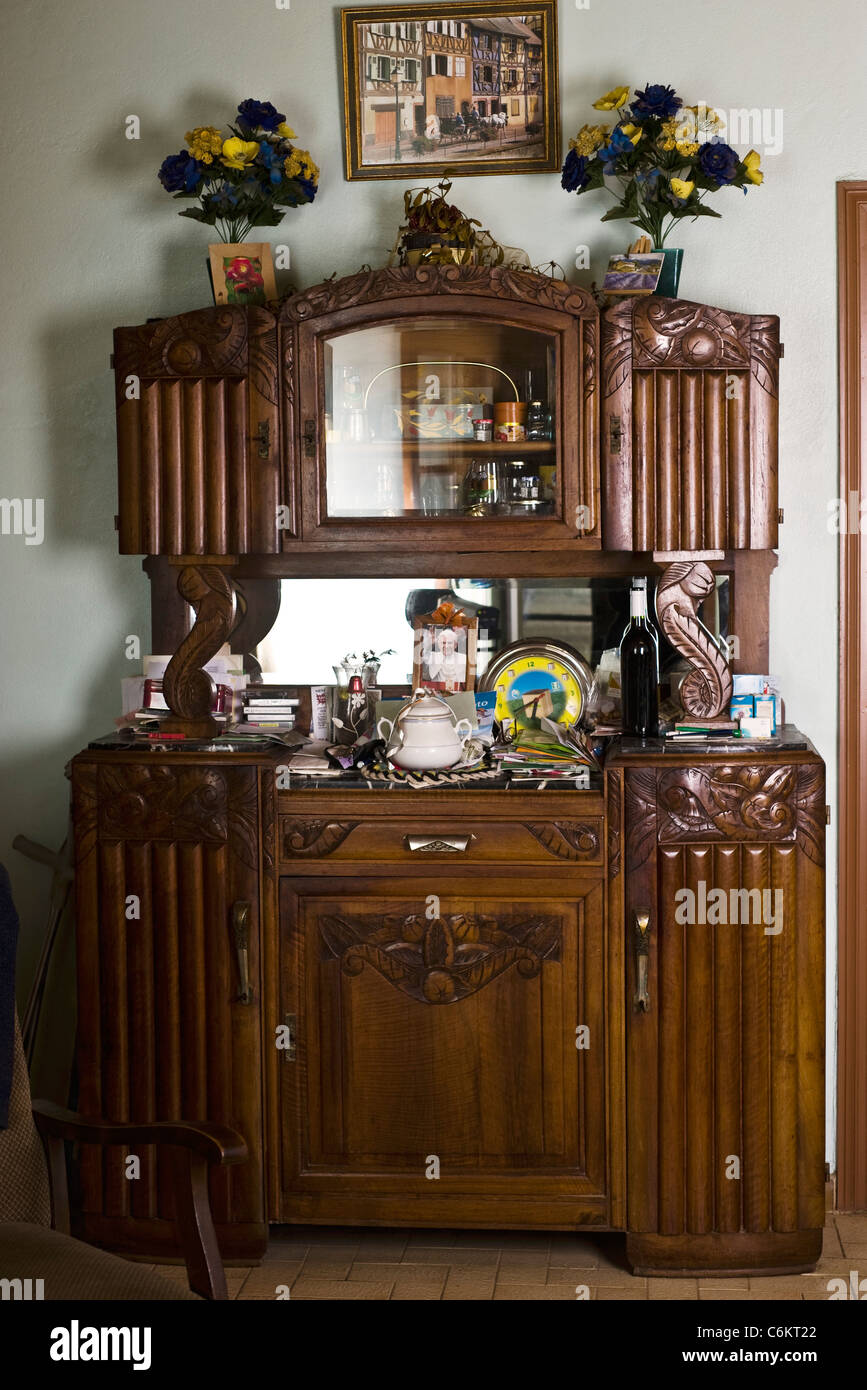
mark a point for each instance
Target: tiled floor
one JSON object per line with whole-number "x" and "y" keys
{"x": 344, "y": 1262}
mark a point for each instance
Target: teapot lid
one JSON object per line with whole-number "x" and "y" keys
{"x": 425, "y": 704}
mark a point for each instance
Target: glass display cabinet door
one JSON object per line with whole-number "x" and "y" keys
{"x": 441, "y": 430}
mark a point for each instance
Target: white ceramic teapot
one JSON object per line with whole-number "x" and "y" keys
{"x": 424, "y": 735}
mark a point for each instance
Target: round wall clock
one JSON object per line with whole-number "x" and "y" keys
{"x": 533, "y": 678}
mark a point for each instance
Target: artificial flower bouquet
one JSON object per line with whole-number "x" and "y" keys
{"x": 664, "y": 157}
{"x": 245, "y": 180}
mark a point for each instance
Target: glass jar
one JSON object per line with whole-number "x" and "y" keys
{"x": 537, "y": 420}
{"x": 482, "y": 487}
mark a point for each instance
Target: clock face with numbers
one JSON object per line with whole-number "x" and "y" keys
{"x": 535, "y": 679}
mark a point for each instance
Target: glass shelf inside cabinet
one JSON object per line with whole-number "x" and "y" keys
{"x": 441, "y": 418}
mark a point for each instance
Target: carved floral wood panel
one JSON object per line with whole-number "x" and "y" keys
{"x": 156, "y": 802}
{"x": 737, "y": 801}
{"x": 442, "y": 960}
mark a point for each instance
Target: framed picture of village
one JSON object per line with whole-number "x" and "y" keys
{"x": 471, "y": 88}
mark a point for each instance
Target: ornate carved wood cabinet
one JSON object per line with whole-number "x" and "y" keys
{"x": 463, "y": 1007}
{"x": 689, "y": 430}
{"x": 431, "y": 1009}
{"x": 725, "y": 1079}
{"x": 169, "y": 907}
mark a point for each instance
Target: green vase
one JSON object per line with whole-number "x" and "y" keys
{"x": 669, "y": 280}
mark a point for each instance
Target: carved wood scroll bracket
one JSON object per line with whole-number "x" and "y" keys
{"x": 187, "y": 688}
{"x": 707, "y": 690}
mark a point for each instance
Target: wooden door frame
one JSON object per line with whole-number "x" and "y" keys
{"x": 852, "y": 771}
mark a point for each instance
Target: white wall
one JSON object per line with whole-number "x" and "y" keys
{"x": 92, "y": 241}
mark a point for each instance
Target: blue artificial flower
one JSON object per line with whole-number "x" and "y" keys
{"x": 273, "y": 160}
{"x": 618, "y": 144}
{"x": 259, "y": 113}
{"x": 180, "y": 173}
{"x": 575, "y": 174}
{"x": 719, "y": 162}
{"x": 648, "y": 179}
{"x": 655, "y": 100}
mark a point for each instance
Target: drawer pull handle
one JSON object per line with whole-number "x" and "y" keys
{"x": 241, "y": 938}
{"x": 641, "y": 943}
{"x": 437, "y": 844}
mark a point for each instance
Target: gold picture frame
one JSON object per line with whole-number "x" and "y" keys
{"x": 478, "y": 94}
{"x": 250, "y": 280}
{"x": 444, "y": 651}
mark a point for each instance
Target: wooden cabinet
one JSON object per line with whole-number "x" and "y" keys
{"x": 385, "y": 371}
{"x": 689, "y": 427}
{"x": 725, "y": 1083}
{"x": 444, "y": 1021}
{"x": 437, "y": 1076}
{"x": 344, "y": 417}
{"x": 200, "y": 464}
{"x": 167, "y": 898}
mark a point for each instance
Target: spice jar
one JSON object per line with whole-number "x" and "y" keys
{"x": 510, "y": 421}
{"x": 483, "y": 430}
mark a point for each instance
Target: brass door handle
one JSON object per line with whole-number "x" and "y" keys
{"x": 241, "y": 939}
{"x": 641, "y": 945}
{"x": 437, "y": 844}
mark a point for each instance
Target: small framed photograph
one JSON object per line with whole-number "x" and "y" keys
{"x": 242, "y": 273}
{"x": 469, "y": 87}
{"x": 633, "y": 273}
{"x": 444, "y": 651}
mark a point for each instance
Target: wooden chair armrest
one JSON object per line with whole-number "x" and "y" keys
{"x": 216, "y": 1143}
{"x": 193, "y": 1147}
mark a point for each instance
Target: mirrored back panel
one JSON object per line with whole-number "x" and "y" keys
{"x": 321, "y": 620}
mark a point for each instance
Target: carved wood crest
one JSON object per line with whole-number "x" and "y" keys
{"x": 498, "y": 282}
{"x": 443, "y": 960}
{"x": 678, "y": 333}
{"x": 156, "y": 802}
{"x": 206, "y": 342}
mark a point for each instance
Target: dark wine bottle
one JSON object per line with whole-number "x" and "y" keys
{"x": 639, "y": 669}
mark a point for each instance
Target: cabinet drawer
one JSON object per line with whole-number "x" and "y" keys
{"x": 577, "y": 840}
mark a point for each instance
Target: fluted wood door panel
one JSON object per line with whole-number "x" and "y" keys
{"x": 726, "y": 1066}
{"x": 689, "y": 429}
{"x": 450, "y": 1035}
{"x": 199, "y": 463}
{"x": 161, "y": 1031}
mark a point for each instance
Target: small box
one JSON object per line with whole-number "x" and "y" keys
{"x": 755, "y": 728}
{"x": 766, "y": 708}
{"x": 742, "y": 706}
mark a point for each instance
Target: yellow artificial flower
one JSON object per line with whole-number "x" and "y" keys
{"x": 613, "y": 100}
{"x": 588, "y": 139}
{"x": 300, "y": 165}
{"x": 237, "y": 154}
{"x": 751, "y": 167}
{"x": 205, "y": 142}
{"x": 284, "y": 131}
{"x": 632, "y": 132}
{"x": 681, "y": 188}
{"x": 688, "y": 148}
